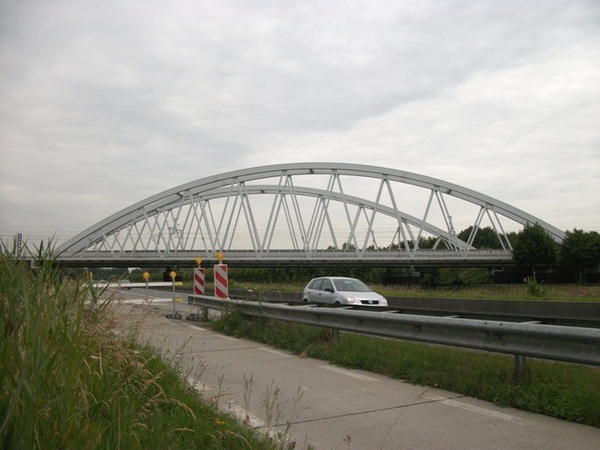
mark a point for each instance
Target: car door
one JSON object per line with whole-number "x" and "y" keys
{"x": 326, "y": 291}
{"x": 313, "y": 291}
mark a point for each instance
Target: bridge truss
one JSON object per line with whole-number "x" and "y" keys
{"x": 302, "y": 212}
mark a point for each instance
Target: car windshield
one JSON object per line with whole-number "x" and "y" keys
{"x": 350, "y": 286}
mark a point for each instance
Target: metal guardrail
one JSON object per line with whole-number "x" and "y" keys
{"x": 553, "y": 342}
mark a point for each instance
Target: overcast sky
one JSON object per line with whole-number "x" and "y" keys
{"x": 105, "y": 103}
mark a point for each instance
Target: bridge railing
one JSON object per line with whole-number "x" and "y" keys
{"x": 553, "y": 342}
{"x": 287, "y": 257}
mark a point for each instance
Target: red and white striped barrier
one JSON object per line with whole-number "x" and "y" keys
{"x": 221, "y": 283}
{"x": 199, "y": 281}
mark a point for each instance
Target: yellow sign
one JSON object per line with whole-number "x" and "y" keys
{"x": 173, "y": 275}
{"x": 146, "y": 275}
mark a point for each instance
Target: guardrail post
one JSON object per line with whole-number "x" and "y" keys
{"x": 336, "y": 334}
{"x": 519, "y": 364}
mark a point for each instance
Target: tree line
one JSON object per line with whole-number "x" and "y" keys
{"x": 579, "y": 251}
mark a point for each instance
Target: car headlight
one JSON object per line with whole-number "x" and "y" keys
{"x": 352, "y": 300}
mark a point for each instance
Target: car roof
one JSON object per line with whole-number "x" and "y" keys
{"x": 337, "y": 278}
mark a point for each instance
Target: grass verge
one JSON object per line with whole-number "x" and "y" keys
{"x": 67, "y": 381}
{"x": 565, "y": 391}
{"x": 523, "y": 291}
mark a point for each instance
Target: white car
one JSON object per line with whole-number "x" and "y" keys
{"x": 342, "y": 290}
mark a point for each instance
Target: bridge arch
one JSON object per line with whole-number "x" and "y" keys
{"x": 303, "y": 207}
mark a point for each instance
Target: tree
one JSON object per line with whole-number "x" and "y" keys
{"x": 485, "y": 238}
{"x": 579, "y": 250}
{"x": 427, "y": 242}
{"x": 534, "y": 247}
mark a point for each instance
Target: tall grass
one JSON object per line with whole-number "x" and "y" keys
{"x": 68, "y": 382}
{"x": 566, "y": 391}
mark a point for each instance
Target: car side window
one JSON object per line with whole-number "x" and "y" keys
{"x": 316, "y": 284}
{"x": 327, "y": 285}
{"x": 344, "y": 285}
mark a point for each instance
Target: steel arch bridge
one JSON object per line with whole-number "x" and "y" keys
{"x": 302, "y": 214}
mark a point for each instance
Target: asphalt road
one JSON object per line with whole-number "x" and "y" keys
{"x": 322, "y": 406}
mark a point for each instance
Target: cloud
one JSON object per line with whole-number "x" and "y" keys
{"x": 104, "y": 104}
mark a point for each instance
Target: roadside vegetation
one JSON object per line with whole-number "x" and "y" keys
{"x": 565, "y": 391}
{"x": 67, "y": 381}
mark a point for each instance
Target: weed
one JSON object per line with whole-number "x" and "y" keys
{"x": 248, "y": 383}
{"x": 536, "y": 289}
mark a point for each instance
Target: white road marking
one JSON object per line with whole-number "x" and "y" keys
{"x": 194, "y": 327}
{"x": 478, "y": 410}
{"x": 136, "y": 301}
{"x": 348, "y": 373}
{"x": 198, "y": 385}
{"x": 275, "y": 352}
{"x": 246, "y": 417}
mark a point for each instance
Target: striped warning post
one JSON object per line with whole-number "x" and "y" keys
{"x": 199, "y": 281}
{"x": 221, "y": 283}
